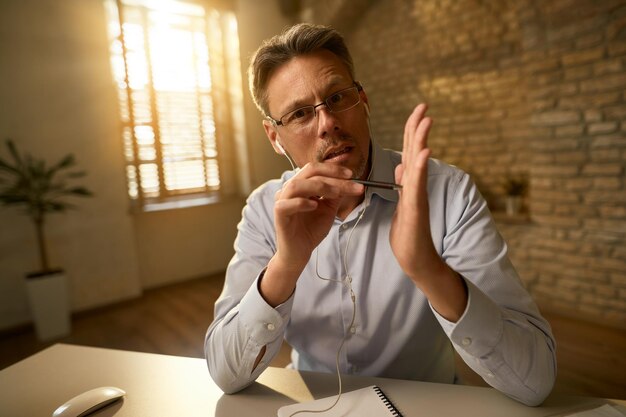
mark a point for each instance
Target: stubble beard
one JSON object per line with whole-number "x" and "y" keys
{"x": 359, "y": 170}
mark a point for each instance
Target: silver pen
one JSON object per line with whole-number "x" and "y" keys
{"x": 378, "y": 184}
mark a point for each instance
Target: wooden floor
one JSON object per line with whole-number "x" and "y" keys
{"x": 173, "y": 321}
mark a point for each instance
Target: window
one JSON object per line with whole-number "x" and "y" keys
{"x": 177, "y": 71}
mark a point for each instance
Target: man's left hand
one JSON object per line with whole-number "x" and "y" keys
{"x": 410, "y": 236}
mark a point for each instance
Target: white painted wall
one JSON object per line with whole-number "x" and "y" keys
{"x": 259, "y": 20}
{"x": 56, "y": 97}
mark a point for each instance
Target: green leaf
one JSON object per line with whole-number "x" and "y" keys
{"x": 34, "y": 186}
{"x": 81, "y": 191}
{"x": 14, "y": 153}
{"x": 76, "y": 174}
{"x": 9, "y": 198}
{"x": 6, "y": 167}
{"x": 56, "y": 206}
{"x": 67, "y": 161}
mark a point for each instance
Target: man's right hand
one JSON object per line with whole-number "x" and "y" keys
{"x": 304, "y": 211}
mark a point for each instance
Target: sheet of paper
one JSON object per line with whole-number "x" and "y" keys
{"x": 364, "y": 402}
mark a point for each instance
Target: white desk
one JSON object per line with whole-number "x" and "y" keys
{"x": 170, "y": 386}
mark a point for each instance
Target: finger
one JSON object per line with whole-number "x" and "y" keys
{"x": 294, "y": 206}
{"x": 344, "y": 185}
{"x": 414, "y": 146}
{"x": 419, "y": 143}
{"x": 419, "y": 170}
{"x": 415, "y": 174}
{"x": 422, "y": 183}
{"x": 326, "y": 187}
{"x": 307, "y": 188}
{"x": 422, "y": 167}
{"x": 398, "y": 174}
{"x": 409, "y": 130}
{"x": 422, "y": 133}
{"x": 312, "y": 169}
{"x": 342, "y": 188}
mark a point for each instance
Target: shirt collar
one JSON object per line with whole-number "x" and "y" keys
{"x": 383, "y": 169}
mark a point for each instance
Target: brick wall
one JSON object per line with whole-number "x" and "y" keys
{"x": 524, "y": 87}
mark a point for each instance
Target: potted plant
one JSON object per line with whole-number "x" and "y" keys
{"x": 30, "y": 184}
{"x": 515, "y": 187}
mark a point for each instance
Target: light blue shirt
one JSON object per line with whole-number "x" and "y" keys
{"x": 396, "y": 333}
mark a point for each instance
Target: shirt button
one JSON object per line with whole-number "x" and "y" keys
{"x": 344, "y": 226}
{"x": 353, "y": 330}
{"x": 466, "y": 341}
{"x": 271, "y": 327}
{"x": 489, "y": 375}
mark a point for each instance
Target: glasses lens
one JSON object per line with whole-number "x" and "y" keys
{"x": 343, "y": 100}
{"x": 298, "y": 117}
{"x": 301, "y": 118}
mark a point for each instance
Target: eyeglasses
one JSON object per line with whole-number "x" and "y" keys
{"x": 302, "y": 118}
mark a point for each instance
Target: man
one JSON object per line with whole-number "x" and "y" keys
{"x": 397, "y": 278}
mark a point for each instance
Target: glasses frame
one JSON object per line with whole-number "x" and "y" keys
{"x": 323, "y": 103}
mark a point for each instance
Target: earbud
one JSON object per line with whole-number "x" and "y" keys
{"x": 279, "y": 146}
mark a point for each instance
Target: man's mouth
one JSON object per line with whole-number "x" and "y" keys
{"x": 337, "y": 152}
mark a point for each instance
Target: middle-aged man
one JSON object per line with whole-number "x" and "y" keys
{"x": 397, "y": 279}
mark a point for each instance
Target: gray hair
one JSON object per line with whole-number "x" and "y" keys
{"x": 278, "y": 50}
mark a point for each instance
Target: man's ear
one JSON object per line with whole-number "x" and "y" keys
{"x": 272, "y": 135}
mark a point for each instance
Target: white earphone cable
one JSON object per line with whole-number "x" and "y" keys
{"x": 348, "y": 282}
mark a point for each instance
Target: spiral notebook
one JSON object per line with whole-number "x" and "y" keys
{"x": 365, "y": 402}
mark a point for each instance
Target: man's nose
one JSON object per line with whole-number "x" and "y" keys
{"x": 326, "y": 120}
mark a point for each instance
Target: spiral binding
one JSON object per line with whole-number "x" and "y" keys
{"x": 392, "y": 408}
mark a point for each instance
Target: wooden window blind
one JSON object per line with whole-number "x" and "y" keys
{"x": 171, "y": 70}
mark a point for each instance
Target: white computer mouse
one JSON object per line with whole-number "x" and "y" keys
{"x": 89, "y": 401}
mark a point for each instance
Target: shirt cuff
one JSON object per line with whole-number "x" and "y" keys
{"x": 480, "y": 327}
{"x": 262, "y": 322}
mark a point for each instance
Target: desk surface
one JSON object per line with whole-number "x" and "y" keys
{"x": 160, "y": 385}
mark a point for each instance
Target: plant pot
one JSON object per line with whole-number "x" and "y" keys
{"x": 49, "y": 304}
{"x": 513, "y": 205}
